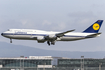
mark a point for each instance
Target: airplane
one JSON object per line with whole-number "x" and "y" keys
{"x": 51, "y": 37}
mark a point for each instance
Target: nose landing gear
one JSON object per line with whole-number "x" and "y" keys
{"x": 10, "y": 40}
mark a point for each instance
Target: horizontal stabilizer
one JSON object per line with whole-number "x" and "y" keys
{"x": 93, "y": 35}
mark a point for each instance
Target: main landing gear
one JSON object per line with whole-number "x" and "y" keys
{"x": 53, "y": 43}
{"x": 48, "y": 42}
{"x": 10, "y": 40}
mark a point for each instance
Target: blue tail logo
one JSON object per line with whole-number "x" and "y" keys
{"x": 94, "y": 28}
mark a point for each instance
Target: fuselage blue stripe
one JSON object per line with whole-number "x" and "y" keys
{"x": 40, "y": 35}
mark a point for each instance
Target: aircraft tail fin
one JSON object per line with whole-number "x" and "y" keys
{"x": 94, "y": 28}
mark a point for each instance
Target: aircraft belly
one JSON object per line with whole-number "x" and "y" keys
{"x": 71, "y": 38}
{"x": 9, "y": 36}
{"x": 24, "y": 37}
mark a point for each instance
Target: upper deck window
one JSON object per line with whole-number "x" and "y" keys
{"x": 9, "y": 30}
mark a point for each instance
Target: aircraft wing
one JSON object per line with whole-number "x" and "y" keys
{"x": 93, "y": 35}
{"x": 62, "y": 34}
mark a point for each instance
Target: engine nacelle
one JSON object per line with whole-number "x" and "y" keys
{"x": 40, "y": 39}
{"x": 52, "y": 37}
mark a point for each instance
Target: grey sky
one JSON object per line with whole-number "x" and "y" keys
{"x": 54, "y": 15}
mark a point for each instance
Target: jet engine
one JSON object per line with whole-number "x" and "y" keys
{"x": 40, "y": 39}
{"x": 51, "y": 37}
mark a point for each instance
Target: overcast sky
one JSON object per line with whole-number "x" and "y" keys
{"x": 54, "y": 15}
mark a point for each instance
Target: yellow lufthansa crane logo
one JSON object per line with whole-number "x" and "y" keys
{"x": 96, "y": 26}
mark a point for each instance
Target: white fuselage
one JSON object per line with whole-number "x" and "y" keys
{"x": 51, "y": 37}
{"x": 31, "y": 34}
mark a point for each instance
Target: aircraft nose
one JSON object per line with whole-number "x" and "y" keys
{"x": 2, "y": 34}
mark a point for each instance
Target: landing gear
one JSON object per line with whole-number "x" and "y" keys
{"x": 10, "y": 40}
{"x": 48, "y": 42}
{"x": 52, "y": 43}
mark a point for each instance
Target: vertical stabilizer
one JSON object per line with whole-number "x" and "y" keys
{"x": 94, "y": 28}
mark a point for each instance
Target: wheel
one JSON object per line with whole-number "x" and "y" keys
{"x": 53, "y": 43}
{"x": 48, "y": 42}
{"x": 10, "y": 40}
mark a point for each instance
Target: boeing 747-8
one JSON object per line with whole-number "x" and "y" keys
{"x": 52, "y": 37}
